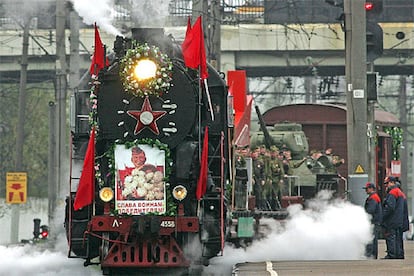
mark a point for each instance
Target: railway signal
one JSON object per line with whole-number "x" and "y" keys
{"x": 40, "y": 232}
{"x": 374, "y": 33}
{"x": 373, "y": 8}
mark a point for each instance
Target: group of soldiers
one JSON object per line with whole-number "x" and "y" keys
{"x": 271, "y": 169}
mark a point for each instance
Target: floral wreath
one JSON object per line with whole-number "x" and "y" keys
{"x": 157, "y": 85}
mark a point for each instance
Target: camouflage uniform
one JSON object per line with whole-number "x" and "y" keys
{"x": 259, "y": 180}
{"x": 264, "y": 157}
{"x": 276, "y": 174}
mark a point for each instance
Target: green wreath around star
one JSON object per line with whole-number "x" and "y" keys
{"x": 156, "y": 85}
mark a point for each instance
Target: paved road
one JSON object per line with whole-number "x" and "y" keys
{"x": 358, "y": 268}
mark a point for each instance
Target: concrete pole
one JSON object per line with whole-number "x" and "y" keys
{"x": 74, "y": 62}
{"x": 371, "y": 133}
{"x": 51, "y": 163}
{"x": 402, "y": 106}
{"x": 215, "y": 32}
{"x": 15, "y": 208}
{"x": 61, "y": 90}
{"x": 355, "y": 69}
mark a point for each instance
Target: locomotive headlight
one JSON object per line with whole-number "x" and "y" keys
{"x": 145, "y": 69}
{"x": 179, "y": 192}
{"x": 106, "y": 194}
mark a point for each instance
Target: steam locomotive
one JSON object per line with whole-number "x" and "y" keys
{"x": 159, "y": 216}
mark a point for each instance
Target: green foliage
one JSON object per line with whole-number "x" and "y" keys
{"x": 36, "y": 133}
{"x": 396, "y": 134}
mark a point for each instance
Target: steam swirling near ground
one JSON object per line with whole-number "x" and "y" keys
{"x": 326, "y": 230}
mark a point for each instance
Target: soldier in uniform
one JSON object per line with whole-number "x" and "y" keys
{"x": 264, "y": 156}
{"x": 258, "y": 178}
{"x": 276, "y": 173}
{"x": 288, "y": 166}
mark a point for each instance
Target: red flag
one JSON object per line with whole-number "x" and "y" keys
{"x": 193, "y": 48}
{"x": 202, "y": 178}
{"x": 86, "y": 189}
{"x": 98, "y": 55}
{"x": 188, "y": 27}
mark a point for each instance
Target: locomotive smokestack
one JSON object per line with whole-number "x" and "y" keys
{"x": 148, "y": 35}
{"x": 152, "y": 36}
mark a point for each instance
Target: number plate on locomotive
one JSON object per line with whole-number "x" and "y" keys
{"x": 168, "y": 223}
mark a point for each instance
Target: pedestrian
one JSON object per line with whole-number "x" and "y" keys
{"x": 392, "y": 220}
{"x": 405, "y": 223}
{"x": 374, "y": 208}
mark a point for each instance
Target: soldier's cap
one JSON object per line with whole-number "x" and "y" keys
{"x": 274, "y": 149}
{"x": 389, "y": 179}
{"x": 262, "y": 146}
{"x": 369, "y": 185}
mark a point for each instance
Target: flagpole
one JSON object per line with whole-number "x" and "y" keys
{"x": 199, "y": 136}
{"x": 200, "y": 94}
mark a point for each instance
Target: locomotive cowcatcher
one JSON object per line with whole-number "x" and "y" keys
{"x": 169, "y": 213}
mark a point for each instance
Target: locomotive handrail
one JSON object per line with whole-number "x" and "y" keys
{"x": 296, "y": 180}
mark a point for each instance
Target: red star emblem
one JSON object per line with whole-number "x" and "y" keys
{"x": 146, "y": 117}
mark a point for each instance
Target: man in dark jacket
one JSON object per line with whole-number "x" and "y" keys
{"x": 405, "y": 223}
{"x": 374, "y": 208}
{"x": 393, "y": 213}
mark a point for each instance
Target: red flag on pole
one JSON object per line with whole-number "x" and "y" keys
{"x": 86, "y": 189}
{"x": 188, "y": 27}
{"x": 193, "y": 48}
{"x": 98, "y": 55}
{"x": 202, "y": 178}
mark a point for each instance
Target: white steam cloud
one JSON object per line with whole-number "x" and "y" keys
{"x": 102, "y": 13}
{"x": 327, "y": 230}
{"x": 142, "y": 13}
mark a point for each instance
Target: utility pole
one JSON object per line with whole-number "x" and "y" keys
{"x": 211, "y": 15}
{"x": 74, "y": 61}
{"x": 15, "y": 217}
{"x": 402, "y": 106}
{"x": 356, "y": 100}
{"x": 215, "y": 34}
{"x": 51, "y": 163}
{"x": 61, "y": 88}
{"x": 372, "y": 134}
{"x": 200, "y": 7}
{"x": 374, "y": 47}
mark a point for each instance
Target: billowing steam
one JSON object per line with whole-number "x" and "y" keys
{"x": 327, "y": 230}
{"x": 102, "y": 13}
{"x": 143, "y": 13}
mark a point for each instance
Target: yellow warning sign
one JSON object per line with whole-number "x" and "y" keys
{"x": 359, "y": 169}
{"x": 16, "y": 187}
